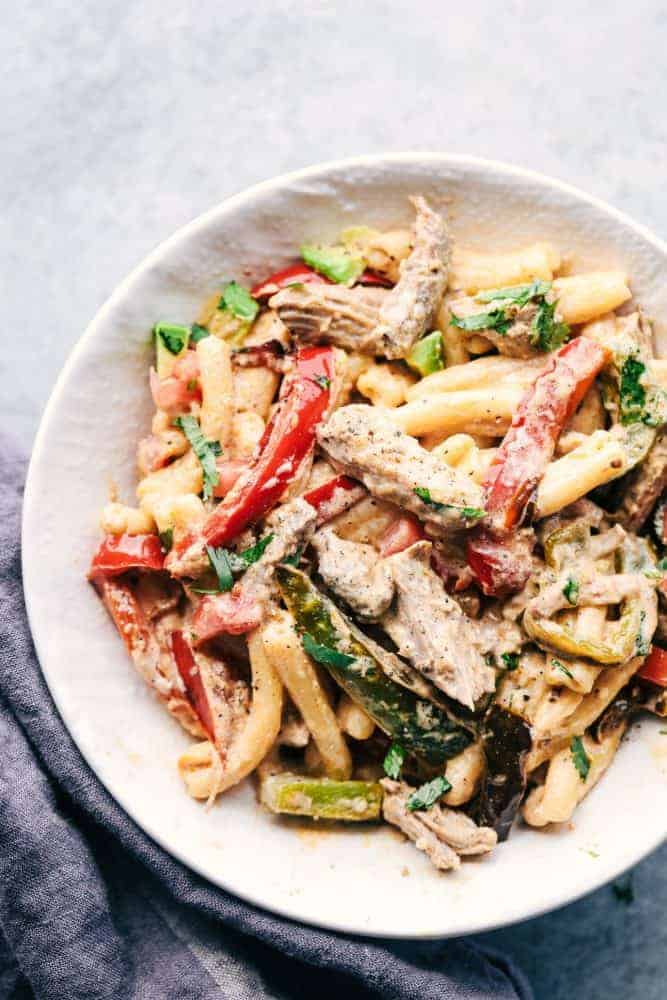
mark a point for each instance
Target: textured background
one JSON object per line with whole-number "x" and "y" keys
{"x": 121, "y": 121}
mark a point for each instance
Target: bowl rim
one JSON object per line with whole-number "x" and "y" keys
{"x": 125, "y": 287}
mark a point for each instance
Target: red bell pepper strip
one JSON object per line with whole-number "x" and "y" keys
{"x": 529, "y": 444}
{"x": 372, "y": 278}
{"x": 400, "y": 535}
{"x": 287, "y": 440}
{"x": 334, "y": 497}
{"x": 120, "y": 553}
{"x": 191, "y": 677}
{"x": 498, "y": 562}
{"x": 295, "y": 274}
{"x": 654, "y": 668}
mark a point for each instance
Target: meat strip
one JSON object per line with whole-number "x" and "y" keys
{"x": 408, "y": 311}
{"x": 331, "y": 314}
{"x": 359, "y": 440}
{"x": 443, "y": 834}
{"x": 355, "y": 572}
{"x": 430, "y": 629}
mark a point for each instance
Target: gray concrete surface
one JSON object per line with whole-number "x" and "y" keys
{"x": 121, "y": 121}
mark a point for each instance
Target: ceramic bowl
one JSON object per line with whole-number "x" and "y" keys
{"x": 364, "y": 881}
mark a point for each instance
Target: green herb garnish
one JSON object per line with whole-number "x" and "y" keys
{"x": 427, "y": 795}
{"x": 393, "y": 762}
{"x": 206, "y": 452}
{"x": 323, "y": 382}
{"x": 220, "y": 565}
{"x": 571, "y": 590}
{"x": 471, "y": 513}
{"x": 237, "y": 300}
{"x": 198, "y": 333}
{"x": 174, "y": 337}
{"x": 519, "y": 294}
{"x": 252, "y": 554}
{"x": 511, "y": 660}
{"x": 167, "y": 539}
{"x": 563, "y": 669}
{"x": 632, "y": 395}
{"x": 494, "y": 320}
{"x": 548, "y": 332}
{"x": 580, "y": 758}
{"x": 335, "y": 263}
{"x": 324, "y": 654}
{"x": 295, "y": 558}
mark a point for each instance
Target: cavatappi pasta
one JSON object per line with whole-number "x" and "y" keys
{"x": 398, "y": 534}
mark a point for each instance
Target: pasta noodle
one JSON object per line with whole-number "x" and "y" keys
{"x": 473, "y": 271}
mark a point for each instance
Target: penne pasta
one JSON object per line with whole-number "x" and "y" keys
{"x": 118, "y": 519}
{"x": 584, "y": 297}
{"x": 599, "y": 459}
{"x": 385, "y": 385}
{"x": 472, "y": 271}
{"x": 353, "y": 720}
{"x": 478, "y": 374}
{"x": 471, "y": 411}
{"x": 217, "y": 389}
{"x": 299, "y": 676}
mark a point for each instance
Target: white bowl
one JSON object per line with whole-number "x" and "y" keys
{"x": 353, "y": 880}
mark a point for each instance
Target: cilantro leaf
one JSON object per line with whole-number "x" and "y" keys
{"x": 393, "y": 762}
{"x": 571, "y": 590}
{"x": 237, "y": 300}
{"x": 255, "y": 551}
{"x": 471, "y": 513}
{"x": 167, "y": 539}
{"x": 511, "y": 660}
{"x": 220, "y": 564}
{"x": 172, "y": 336}
{"x": 494, "y": 320}
{"x": 427, "y": 795}
{"x": 631, "y": 391}
{"x": 295, "y": 558}
{"x": 323, "y": 381}
{"x": 206, "y": 451}
{"x": 198, "y": 333}
{"x": 516, "y": 294}
{"x": 324, "y": 654}
{"x": 335, "y": 263}
{"x": 563, "y": 669}
{"x": 548, "y": 333}
{"x": 580, "y": 758}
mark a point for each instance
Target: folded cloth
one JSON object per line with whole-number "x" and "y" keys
{"x": 91, "y": 908}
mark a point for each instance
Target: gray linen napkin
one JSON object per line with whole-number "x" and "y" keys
{"x": 91, "y": 908}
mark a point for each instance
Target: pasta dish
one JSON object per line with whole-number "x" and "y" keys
{"x": 397, "y": 544}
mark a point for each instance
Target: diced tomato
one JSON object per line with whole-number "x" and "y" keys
{"x": 287, "y": 440}
{"x": 191, "y": 677}
{"x": 295, "y": 274}
{"x": 400, "y": 535}
{"x": 229, "y": 471}
{"x": 234, "y": 613}
{"x": 120, "y": 553}
{"x": 654, "y": 668}
{"x": 334, "y": 497}
{"x": 173, "y": 394}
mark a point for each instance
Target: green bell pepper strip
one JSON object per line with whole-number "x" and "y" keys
{"x": 322, "y": 798}
{"x": 420, "y": 726}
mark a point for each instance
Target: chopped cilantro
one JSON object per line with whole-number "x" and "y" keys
{"x": 237, "y": 300}
{"x": 174, "y": 337}
{"x": 519, "y": 294}
{"x": 206, "y": 451}
{"x": 571, "y": 590}
{"x": 579, "y": 757}
{"x": 198, "y": 333}
{"x": 427, "y": 795}
{"x": 334, "y": 262}
{"x": 324, "y": 654}
{"x": 470, "y": 513}
{"x": 563, "y": 669}
{"x": 548, "y": 332}
{"x": 220, "y": 564}
{"x": 511, "y": 660}
{"x": 494, "y": 320}
{"x": 393, "y": 762}
{"x": 167, "y": 539}
{"x": 623, "y": 891}
{"x": 252, "y": 554}
{"x": 295, "y": 558}
{"x": 323, "y": 382}
{"x": 632, "y": 395}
